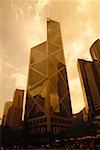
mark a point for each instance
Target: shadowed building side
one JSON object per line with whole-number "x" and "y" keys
{"x": 48, "y": 105}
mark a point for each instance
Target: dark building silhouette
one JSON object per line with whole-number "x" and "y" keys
{"x": 14, "y": 115}
{"x": 8, "y": 104}
{"x": 80, "y": 118}
{"x": 95, "y": 50}
{"x": 48, "y": 106}
{"x": 90, "y": 80}
{"x": 18, "y": 98}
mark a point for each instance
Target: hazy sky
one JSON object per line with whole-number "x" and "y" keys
{"x": 23, "y": 25}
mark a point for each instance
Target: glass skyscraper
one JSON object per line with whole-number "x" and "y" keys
{"x": 48, "y": 104}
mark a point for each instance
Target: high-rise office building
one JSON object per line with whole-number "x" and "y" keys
{"x": 18, "y": 98}
{"x": 95, "y": 50}
{"x": 7, "y": 106}
{"x": 90, "y": 80}
{"x": 48, "y": 105}
{"x": 14, "y": 116}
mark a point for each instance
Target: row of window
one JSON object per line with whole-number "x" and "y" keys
{"x": 57, "y": 129}
{"x": 42, "y": 120}
{"x": 43, "y": 129}
{"x": 37, "y": 121}
{"x": 53, "y": 120}
{"x": 59, "y": 120}
{"x": 39, "y": 129}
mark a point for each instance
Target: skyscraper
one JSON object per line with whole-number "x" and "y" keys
{"x": 90, "y": 80}
{"x": 18, "y": 98}
{"x": 14, "y": 116}
{"x": 95, "y": 50}
{"x": 48, "y": 106}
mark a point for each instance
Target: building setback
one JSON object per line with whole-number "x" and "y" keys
{"x": 90, "y": 80}
{"x": 48, "y": 105}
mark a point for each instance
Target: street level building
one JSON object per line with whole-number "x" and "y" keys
{"x": 48, "y": 105}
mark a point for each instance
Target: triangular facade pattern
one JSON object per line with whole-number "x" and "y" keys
{"x": 48, "y": 95}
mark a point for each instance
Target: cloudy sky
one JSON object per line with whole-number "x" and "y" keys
{"x": 23, "y": 25}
